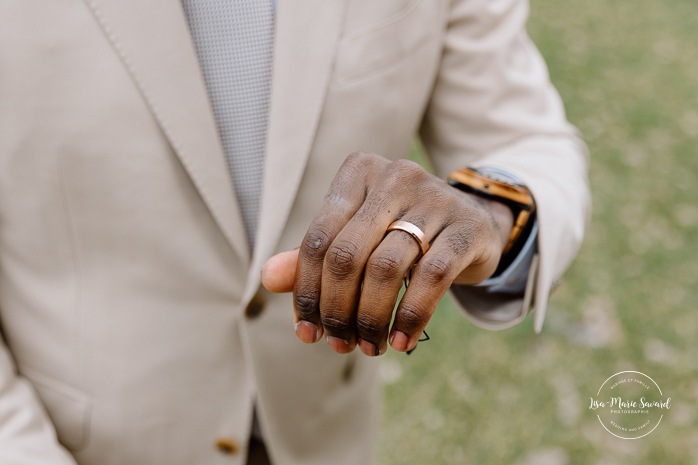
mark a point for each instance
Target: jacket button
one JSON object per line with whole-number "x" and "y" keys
{"x": 256, "y": 306}
{"x": 226, "y": 446}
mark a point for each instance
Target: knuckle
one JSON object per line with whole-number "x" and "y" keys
{"x": 306, "y": 307}
{"x": 436, "y": 270}
{"x": 369, "y": 328}
{"x": 355, "y": 158}
{"x": 342, "y": 258}
{"x": 384, "y": 267}
{"x": 412, "y": 318}
{"x": 316, "y": 242}
{"x": 361, "y": 159}
{"x": 407, "y": 170}
{"x": 334, "y": 324}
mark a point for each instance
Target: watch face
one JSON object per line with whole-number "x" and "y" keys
{"x": 497, "y": 176}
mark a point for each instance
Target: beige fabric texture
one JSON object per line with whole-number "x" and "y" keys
{"x": 124, "y": 271}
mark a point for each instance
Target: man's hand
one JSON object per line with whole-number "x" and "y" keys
{"x": 348, "y": 272}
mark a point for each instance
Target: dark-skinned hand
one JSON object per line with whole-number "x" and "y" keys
{"x": 347, "y": 273}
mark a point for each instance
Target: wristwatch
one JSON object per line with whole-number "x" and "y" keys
{"x": 497, "y": 187}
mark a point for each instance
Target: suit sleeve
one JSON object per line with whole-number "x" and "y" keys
{"x": 27, "y": 436}
{"x": 493, "y": 105}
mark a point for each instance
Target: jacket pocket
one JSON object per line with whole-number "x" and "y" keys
{"x": 370, "y": 50}
{"x": 69, "y": 409}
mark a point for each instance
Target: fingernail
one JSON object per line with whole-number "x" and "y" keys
{"x": 306, "y": 332}
{"x": 399, "y": 341}
{"x": 369, "y": 349}
{"x": 339, "y": 345}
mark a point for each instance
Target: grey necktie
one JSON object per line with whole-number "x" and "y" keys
{"x": 234, "y": 44}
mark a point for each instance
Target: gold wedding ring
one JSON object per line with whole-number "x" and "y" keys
{"x": 413, "y": 231}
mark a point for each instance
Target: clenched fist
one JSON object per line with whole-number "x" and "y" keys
{"x": 348, "y": 271}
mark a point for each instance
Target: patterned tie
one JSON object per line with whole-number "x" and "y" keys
{"x": 234, "y": 43}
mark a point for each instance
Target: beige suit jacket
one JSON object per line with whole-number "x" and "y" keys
{"x": 133, "y": 325}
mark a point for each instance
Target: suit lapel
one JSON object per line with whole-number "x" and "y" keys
{"x": 152, "y": 39}
{"x": 307, "y": 33}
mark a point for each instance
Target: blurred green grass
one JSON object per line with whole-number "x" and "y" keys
{"x": 628, "y": 72}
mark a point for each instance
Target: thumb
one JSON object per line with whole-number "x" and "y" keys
{"x": 279, "y": 272}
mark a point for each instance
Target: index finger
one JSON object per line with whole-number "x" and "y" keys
{"x": 346, "y": 195}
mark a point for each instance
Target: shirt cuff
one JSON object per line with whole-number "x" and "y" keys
{"x": 513, "y": 279}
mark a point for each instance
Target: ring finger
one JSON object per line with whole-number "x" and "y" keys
{"x": 383, "y": 278}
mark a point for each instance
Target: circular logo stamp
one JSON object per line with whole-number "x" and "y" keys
{"x": 630, "y": 405}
